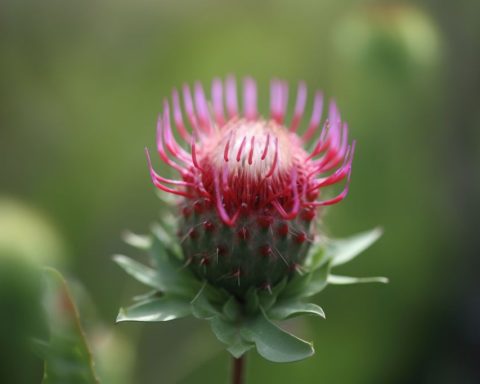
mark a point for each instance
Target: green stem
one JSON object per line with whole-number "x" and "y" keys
{"x": 238, "y": 370}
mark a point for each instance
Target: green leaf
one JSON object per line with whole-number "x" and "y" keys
{"x": 138, "y": 271}
{"x": 202, "y": 307}
{"x": 316, "y": 256}
{"x": 273, "y": 343}
{"x": 318, "y": 281}
{"x": 148, "y": 296}
{"x": 295, "y": 287}
{"x": 137, "y": 241}
{"x": 239, "y": 347}
{"x": 290, "y": 308}
{"x": 230, "y": 333}
{"x": 268, "y": 297}
{"x": 67, "y": 356}
{"x": 307, "y": 285}
{"x": 169, "y": 241}
{"x": 342, "y": 251}
{"x": 163, "y": 309}
{"x": 344, "y": 280}
{"x": 173, "y": 277}
{"x": 231, "y": 309}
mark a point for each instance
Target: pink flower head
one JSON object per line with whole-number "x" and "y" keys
{"x": 239, "y": 162}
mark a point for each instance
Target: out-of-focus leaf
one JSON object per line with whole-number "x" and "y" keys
{"x": 290, "y": 308}
{"x": 147, "y": 296}
{"x": 344, "y": 280}
{"x": 168, "y": 240}
{"x": 162, "y": 309}
{"x": 273, "y": 343}
{"x": 137, "y": 241}
{"x": 342, "y": 251}
{"x": 140, "y": 272}
{"x": 68, "y": 358}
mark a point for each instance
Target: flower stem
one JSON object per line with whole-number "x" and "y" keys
{"x": 238, "y": 370}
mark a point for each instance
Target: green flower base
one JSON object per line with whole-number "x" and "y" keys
{"x": 177, "y": 293}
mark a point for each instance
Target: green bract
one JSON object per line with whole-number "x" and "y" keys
{"x": 240, "y": 325}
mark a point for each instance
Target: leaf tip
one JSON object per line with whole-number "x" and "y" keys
{"x": 121, "y": 315}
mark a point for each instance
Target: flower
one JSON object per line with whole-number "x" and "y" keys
{"x": 249, "y": 189}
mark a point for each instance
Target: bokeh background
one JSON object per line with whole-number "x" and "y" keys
{"x": 81, "y": 83}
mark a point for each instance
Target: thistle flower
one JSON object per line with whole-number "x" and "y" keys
{"x": 249, "y": 188}
{"x": 245, "y": 249}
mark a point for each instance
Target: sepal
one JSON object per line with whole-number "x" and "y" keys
{"x": 240, "y": 324}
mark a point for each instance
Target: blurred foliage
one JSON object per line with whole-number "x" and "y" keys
{"x": 80, "y": 86}
{"x": 66, "y": 352}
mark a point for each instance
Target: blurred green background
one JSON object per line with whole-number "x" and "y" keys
{"x": 81, "y": 83}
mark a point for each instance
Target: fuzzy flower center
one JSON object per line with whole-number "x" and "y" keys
{"x": 253, "y": 149}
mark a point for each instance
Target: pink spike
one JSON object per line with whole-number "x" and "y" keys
{"x": 188, "y": 101}
{"x": 177, "y": 115}
{"x": 170, "y": 141}
{"x": 323, "y": 141}
{"x": 156, "y": 180}
{"x": 275, "y": 160}
{"x": 227, "y": 148}
{"x": 337, "y": 198}
{"x": 265, "y": 150}
{"x": 202, "y": 107}
{"x": 250, "y": 98}
{"x": 316, "y": 117}
{"x": 339, "y": 174}
{"x": 340, "y": 151}
{"x": 283, "y": 86}
{"x": 230, "y": 221}
{"x": 232, "y": 103}
{"x": 275, "y": 100}
{"x": 333, "y": 147}
{"x": 250, "y": 155}
{"x": 161, "y": 150}
{"x": 240, "y": 150}
{"x": 217, "y": 101}
{"x": 296, "y": 200}
{"x": 194, "y": 157}
{"x": 299, "y": 106}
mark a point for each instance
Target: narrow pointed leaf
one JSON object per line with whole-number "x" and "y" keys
{"x": 344, "y": 280}
{"x": 290, "y": 308}
{"x": 137, "y": 241}
{"x": 163, "y": 309}
{"x": 273, "y": 343}
{"x": 342, "y": 251}
{"x": 139, "y": 272}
